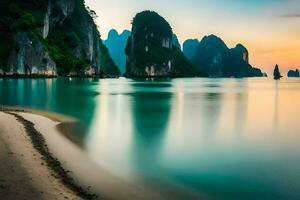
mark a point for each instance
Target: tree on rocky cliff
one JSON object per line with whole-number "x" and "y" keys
{"x": 93, "y": 15}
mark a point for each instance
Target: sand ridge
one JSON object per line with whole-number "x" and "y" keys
{"x": 24, "y": 172}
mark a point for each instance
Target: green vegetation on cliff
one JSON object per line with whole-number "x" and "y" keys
{"x": 148, "y": 29}
{"x": 152, "y": 21}
{"x": 150, "y": 50}
{"x": 72, "y": 41}
{"x": 14, "y": 17}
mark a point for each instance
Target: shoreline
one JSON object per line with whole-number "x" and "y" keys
{"x": 87, "y": 179}
{"x": 21, "y": 76}
{"x": 24, "y": 76}
{"x": 52, "y": 164}
{"x": 65, "y": 127}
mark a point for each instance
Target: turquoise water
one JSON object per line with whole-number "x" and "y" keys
{"x": 221, "y": 138}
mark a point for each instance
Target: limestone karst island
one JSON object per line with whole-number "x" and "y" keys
{"x": 144, "y": 100}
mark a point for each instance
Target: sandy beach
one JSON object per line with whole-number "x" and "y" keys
{"x": 24, "y": 172}
{"x": 30, "y": 171}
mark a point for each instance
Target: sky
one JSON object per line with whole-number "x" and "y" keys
{"x": 270, "y": 29}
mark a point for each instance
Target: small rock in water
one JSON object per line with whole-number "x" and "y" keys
{"x": 277, "y": 74}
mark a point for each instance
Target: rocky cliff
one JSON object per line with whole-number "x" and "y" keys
{"x": 176, "y": 42}
{"x": 189, "y": 48}
{"x": 294, "y": 73}
{"x": 116, "y": 44}
{"x": 213, "y": 56}
{"x": 210, "y": 55}
{"x": 277, "y": 75}
{"x": 51, "y": 37}
{"x": 150, "y": 51}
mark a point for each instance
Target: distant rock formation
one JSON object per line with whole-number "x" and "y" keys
{"x": 150, "y": 51}
{"x": 189, "y": 48}
{"x": 294, "y": 73}
{"x": 51, "y": 37}
{"x": 116, "y": 44}
{"x": 265, "y": 74}
{"x": 277, "y": 74}
{"x": 212, "y": 56}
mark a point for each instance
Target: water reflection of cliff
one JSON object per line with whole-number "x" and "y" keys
{"x": 79, "y": 99}
{"x": 151, "y": 110}
{"x": 211, "y": 113}
{"x": 241, "y": 111}
{"x": 195, "y": 114}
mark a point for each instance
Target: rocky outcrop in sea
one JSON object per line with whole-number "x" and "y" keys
{"x": 294, "y": 73}
{"x": 212, "y": 56}
{"x": 151, "y": 52}
{"x": 277, "y": 75}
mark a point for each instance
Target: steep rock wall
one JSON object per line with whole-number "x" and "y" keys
{"x": 30, "y": 57}
{"x": 53, "y": 36}
{"x": 150, "y": 51}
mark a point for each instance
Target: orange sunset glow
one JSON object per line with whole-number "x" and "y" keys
{"x": 268, "y": 28}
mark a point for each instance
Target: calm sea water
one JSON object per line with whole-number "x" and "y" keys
{"x": 223, "y": 138}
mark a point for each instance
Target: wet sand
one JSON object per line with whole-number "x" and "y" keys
{"x": 24, "y": 173}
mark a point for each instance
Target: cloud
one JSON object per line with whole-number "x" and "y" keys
{"x": 292, "y": 15}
